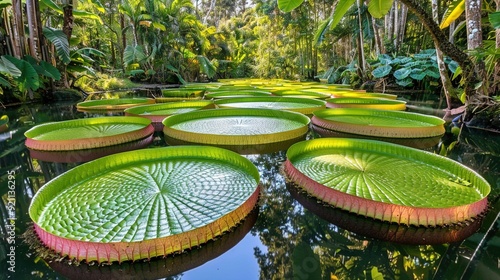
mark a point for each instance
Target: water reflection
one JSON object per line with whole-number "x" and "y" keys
{"x": 161, "y": 267}
{"x": 371, "y": 228}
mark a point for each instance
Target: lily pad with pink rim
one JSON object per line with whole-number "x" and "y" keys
{"x": 144, "y": 203}
{"x": 112, "y": 105}
{"x": 158, "y": 112}
{"x": 379, "y": 123}
{"x": 223, "y": 94}
{"x": 295, "y": 104}
{"x": 367, "y": 103}
{"x": 86, "y": 139}
{"x": 244, "y": 130}
{"x": 386, "y": 181}
{"x": 302, "y": 94}
{"x": 350, "y": 93}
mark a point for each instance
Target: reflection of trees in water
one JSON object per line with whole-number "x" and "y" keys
{"x": 301, "y": 245}
{"x": 29, "y": 177}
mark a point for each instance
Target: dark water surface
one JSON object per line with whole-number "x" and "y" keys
{"x": 289, "y": 236}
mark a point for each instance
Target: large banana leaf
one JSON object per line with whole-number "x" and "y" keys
{"x": 379, "y": 8}
{"x": 289, "y": 5}
{"x": 60, "y": 42}
{"x": 386, "y": 181}
{"x": 145, "y": 203}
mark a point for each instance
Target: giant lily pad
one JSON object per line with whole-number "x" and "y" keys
{"x": 236, "y": 93}
{"x": 379, "y": 123}
{"x": 112, "y": 105}
{"x": 87, "y": 139}
{"x": 368, "y": 103}
{"x": 87, "y": 133}
{"x": 144, "y": 203}
{"x": 350, "y": 93}
{"x": 294, "y": 104}
{"x": 386, "y": 181}
{"x": 237, "y": 129}
{"x": 302, "y": 93}
{"x": 183, "y": 92}
{"x": 157, "y": 112}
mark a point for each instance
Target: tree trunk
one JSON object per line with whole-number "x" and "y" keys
{"x": 496, "y": 74}
{"x": 379, "y": 48}
{"x": 443, "y": 72}
{"x": 18, "y": 29}
{"x": 68, "y": 20}
{"x": 441, "y": 40}
{"x": 33, "y": 36}
{"x": 475, "y": 36}
{"x": 361, "y": 50}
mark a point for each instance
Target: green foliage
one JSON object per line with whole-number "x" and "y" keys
{"x": 60, "y": 42}
{"x": 25, "y": 75}
{"x": 379, "y": 8}
{"x": 406, "y": 71}
{"x": 289, "y": 5}
{"x": 103, "y": 82}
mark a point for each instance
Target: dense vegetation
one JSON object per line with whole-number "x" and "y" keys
{"x": 104, "y": 44}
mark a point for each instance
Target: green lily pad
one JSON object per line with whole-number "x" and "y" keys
{"x": 87, "y": 133}
{"x": 112, "y": 105}
{"x": 235, "y": 93}
{"x": 344, "y": 93}
{"x": 386, "y": 181}
{"x": 379, "y": 123}
{"x": 302, "y": 94}
{"x": 183, "y": 92}
{"x": 157, "y": 112}
{"x": 145, "y": 203}
{"x": 294, "y": 104}
{"x": 367, "y": 103}
{"x": 236, "y": 127}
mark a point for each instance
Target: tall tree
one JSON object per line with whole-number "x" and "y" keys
{"x": 443, "y": 72}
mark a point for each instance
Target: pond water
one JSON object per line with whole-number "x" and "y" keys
{"x": 289, "y": 236}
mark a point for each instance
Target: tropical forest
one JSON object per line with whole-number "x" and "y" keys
{"x": 250, "y": 139}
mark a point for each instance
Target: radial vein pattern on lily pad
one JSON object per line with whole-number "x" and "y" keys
{"x": 145, "y": 203}
{"x": 386, "y": 181}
